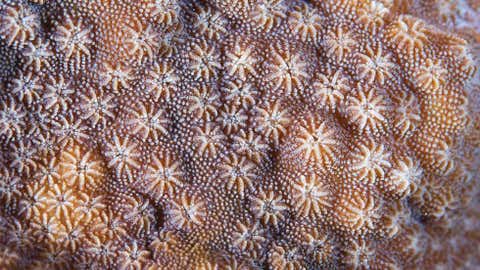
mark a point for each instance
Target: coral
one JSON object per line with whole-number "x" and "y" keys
{"x": 310, "y": 196}
{"x": 240, "y": 62}
{"x": 163, "y": 176}
{"x": 248, "y": 238}
{"x": 18, "y": 23}
{"x": 239, "y": 134}
{"x": 287, "y": 70}
{"x": 73, "y": 38}
{"x": 268, "y": 207}
{"x": 188, "y": 212}
{"x": 237, "y": 171}
{"x": 142, "y": 43}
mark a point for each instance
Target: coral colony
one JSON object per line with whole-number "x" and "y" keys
{"x": 239, "y": 134}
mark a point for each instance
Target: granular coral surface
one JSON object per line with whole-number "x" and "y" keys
{"x": 239, "y": 134}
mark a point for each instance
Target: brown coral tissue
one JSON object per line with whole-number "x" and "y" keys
{"x": 239, "y": 134}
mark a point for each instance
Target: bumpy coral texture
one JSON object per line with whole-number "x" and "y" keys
{"x": 249, "y": 134}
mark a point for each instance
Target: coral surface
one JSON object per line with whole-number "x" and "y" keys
{"x": 239, "y": 134}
